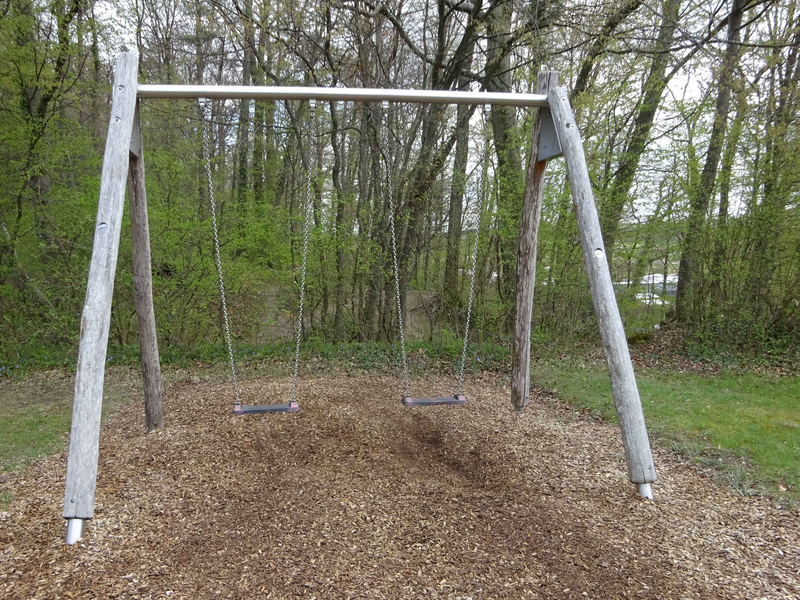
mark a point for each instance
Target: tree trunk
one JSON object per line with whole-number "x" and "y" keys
{"x": 718, "y": 270}
{"x": 339, "y": 232}
{"x": 241, "y": 183}
{"x": 614, "y": 205}
{"x": 507, "y": 147}
{"x": 452, "y": 297}
{"x": 768, "y": 216}
{"x": 689, "y": 268}
{"x": 199, "y": 68}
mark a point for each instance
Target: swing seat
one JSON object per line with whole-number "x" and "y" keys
{"x": 257, "y": 409}
{"x": 457, "y": 399}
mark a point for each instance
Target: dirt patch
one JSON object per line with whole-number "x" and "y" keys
{"x": 358, "y": 497}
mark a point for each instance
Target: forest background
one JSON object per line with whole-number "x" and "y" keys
{"x": 688, "y": 110}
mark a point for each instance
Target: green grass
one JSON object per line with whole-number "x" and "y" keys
{"x": 746, "y": 425}
{"x": 27, "y": 434}
{"x": 36, "y": 411}
{"x": 441, "y": 355}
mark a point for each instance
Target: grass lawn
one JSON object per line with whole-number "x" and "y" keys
{"x": 748, "y": 425}
{"x": 29, "y": 433}
{"x": 35, "y": 414}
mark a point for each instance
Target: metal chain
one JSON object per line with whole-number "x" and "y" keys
{"x": 385, "y": 106}
{"x": 205, "y": 107}
{"x": 309, "y": 208}
{"x": 474, "y": 250}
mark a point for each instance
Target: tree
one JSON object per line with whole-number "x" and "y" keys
{"x": 611, "y": 209}
{"x": 700, "y": 195}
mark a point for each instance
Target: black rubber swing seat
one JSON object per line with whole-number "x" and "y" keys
{"x": 257, "y": 409}
{"x": 457, "y": 399}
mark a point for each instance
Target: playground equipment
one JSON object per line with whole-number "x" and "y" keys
{"x": 458, "y": 397}
{"x": 238, "y": 407}
{"x": 554, "y": 131}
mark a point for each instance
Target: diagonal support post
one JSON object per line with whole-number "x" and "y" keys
{"x": 96, "y": 317}
{"x": 543, "y": 146}
{"x": 641, "y": 470}
{"x": 143, "y": 282}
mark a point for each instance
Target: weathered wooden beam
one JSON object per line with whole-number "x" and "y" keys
{"x": 96, "y": 317}
{"x": 143, "y": 283}
{"x": 526, "y": 256}
{"x": 623, "y": 382}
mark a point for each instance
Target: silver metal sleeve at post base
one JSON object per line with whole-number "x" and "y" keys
{"x": 75, "y": 530}
{"x": 645, "y": 490}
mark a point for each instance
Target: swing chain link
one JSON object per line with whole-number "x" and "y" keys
{"x": 385, "y": 106}
{"x": 205, "y": 107}
{"x": 309, "y": 209}
{"x": 481, "y": 185}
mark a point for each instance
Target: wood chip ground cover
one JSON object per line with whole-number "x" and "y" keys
{"x": 358, "y": 497}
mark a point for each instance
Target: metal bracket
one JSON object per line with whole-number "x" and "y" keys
{"x": 136, "y": 134}
{"x": 549, "y": 144}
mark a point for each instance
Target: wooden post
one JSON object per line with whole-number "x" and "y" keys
{"x": 143, "y": 283}
{"x": 623, "y": 382}
{"x": 526, "y": 256}
{"x": 96, "y": 317}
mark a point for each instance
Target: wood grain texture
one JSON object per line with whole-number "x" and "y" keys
{"x": 96, "y": 317}
{"x": 526, "y": 256}
{"x": 143, "y": 284}
{"x": 623, "y": 382}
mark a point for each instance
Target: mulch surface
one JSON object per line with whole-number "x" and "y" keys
{"x": 356, "y": 496}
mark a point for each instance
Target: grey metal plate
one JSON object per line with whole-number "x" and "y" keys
{"x": 549, "y": 145}
{"x": 457, "y": 399}
{"x": 255, "y": 409}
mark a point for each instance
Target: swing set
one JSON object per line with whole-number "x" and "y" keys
{"x": 293, "y": 406}
{"x": 554, "y": 133}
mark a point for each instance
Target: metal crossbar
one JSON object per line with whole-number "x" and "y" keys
{"x": 324, "y": 94}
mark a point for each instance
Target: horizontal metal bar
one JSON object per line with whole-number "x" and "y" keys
{"x": 322, "y": 94}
